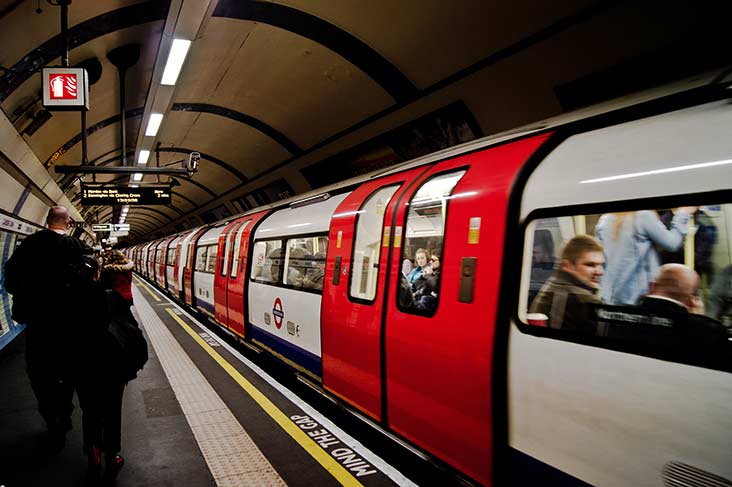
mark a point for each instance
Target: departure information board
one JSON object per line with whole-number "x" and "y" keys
{"x": 125, "y": 195}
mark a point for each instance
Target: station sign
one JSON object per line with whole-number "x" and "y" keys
{"x": 125, "y": 195}
{"x": 65, "y": 89}
{"x": 111, "y": 227}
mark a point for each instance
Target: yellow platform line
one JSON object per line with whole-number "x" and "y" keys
{"x": 321, "y": 456}
{"x": 146, "y": 288}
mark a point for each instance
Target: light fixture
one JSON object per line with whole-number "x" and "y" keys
{"x": 134, "y": 185}
{"x": 137, "y": 176}
{"x": 142, "y": 158}
{"x": 686, "y": 167}
{"x": 178, "y": 51}
{"x": 153, "y": 124}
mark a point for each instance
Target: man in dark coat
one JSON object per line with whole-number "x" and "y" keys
{"x": 567, "y": 294}
{"x": 675, "y": 294}
{"x": 37, "y": 277}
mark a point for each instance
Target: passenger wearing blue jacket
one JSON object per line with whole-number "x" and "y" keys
{"x": 632, "y": 262}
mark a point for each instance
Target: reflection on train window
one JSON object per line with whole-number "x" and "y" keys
{"x": 171, "y": 256}
{"x": 421, "y": 257}
{"x": 201, "y": 253}
{"x": 305, "y": 262}
{"x": 367, "y": 244}
{"x": 267, "y": 261}
{"x": 211, "y": 262}
{"x": 237, "y": 248}
{"x": 660, "y": 279}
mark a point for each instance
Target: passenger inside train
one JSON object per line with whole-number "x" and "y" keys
{"x": 632, "y": 320}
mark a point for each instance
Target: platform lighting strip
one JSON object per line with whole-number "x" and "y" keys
{"x": 143, "y": 157}
{"x": 686, "y": 167}
{"x": 153, "y": 124}
{"x": 178, "y": 51}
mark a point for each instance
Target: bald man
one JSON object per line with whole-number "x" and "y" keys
{"x": 676, "y": 289}
{"x": 34, "y": 275}
{"x": 675, "y": 293}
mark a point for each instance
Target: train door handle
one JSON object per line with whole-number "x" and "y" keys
{"x": 337, "y": 270}
{"x": 467, "y": 279}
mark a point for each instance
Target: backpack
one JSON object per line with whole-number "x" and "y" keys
{"x": 129, "y": 344}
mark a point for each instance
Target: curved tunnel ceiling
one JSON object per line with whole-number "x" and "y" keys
{"x": 273, "y": 87}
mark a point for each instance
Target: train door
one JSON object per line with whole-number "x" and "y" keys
{"x": 442, "y": 299}
{"x": 181, "y": 260}
{"x": 171, "y": 264}
{"x": 160, "y": 256}
{"x": 353, "y": 293}
{"x": 225, "y": 253}
{"x": 237, "y": 273}
{"x": 189, "y": 268}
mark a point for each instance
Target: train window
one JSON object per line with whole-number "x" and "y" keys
{"x": 171, "y": 256}
{"x": 367, "y": 244}
{"x": 227, "y": 249}
{"x": 655, "y": 281}
{"x": 267, "y": 261}
{"x": 419, "y": 283}
{"x": 211, "y": 260}
{"x": 201, "y": 253}
{"x": 305, "y": 262}
{"x": 237, "y": 248}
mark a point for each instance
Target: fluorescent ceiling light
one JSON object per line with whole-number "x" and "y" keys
{"x": 137, "y": 176}
{"x": 178, "y": 51}
{"x": 153, "y": 124}
{"x": 142, "y": 158}
{"x": 659, "y": 171}
{"x": 134, "y": 185}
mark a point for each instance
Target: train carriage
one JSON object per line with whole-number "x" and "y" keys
{"x": 326, "y": 283}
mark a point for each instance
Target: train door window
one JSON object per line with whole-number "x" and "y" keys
{"x": 421, "y": 257}
{"x": 367, "y": 244}
{"x": 211, "y": 259}
{"x": 237, "y": 247}
{"x": 201, "y": 254}
{"x": 305, "y": 262}
{"x": 654, "y": 282}
{"x": 267, "y": 261}
{"x": 171, "y": 256}
{"x": 227, "y": 249}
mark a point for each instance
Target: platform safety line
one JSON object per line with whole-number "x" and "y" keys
{"x": 396, "y": 476}
{"x": 308, "y": 444}
{"x": 146, "y": 288}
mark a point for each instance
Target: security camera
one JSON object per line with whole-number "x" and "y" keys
{"x": 192, "y": 163}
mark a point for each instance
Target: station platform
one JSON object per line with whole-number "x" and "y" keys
{"x": 199, "y": 414}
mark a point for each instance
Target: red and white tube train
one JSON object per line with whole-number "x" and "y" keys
{"x": 327, "y": 283}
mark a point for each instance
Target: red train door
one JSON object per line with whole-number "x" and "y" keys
{"x": 188, "y": 269}
{"x": 237, "y": 276}
{"x": 442, "y": 299}
{"x": 223, "y": 264}
{"x": 353, "y": 291}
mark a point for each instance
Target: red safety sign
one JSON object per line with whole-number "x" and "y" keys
{"x": 63, "y": 86}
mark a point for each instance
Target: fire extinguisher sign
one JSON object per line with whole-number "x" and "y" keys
{"x": 65, "y": 89}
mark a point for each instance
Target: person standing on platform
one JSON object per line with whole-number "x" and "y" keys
{"x": 117, "y": 276}
{"x": 36, "y": 275}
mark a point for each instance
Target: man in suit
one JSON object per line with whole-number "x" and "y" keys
{"x": 675, "y": 294}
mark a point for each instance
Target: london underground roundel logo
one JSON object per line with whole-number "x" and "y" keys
{"x": 278, "y": 313}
